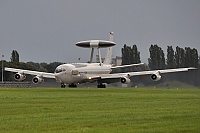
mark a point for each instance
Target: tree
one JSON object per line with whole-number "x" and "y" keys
{"x": 162, "y": 64}
{"x": 188, "y": 56}
{"x": 130, "y": 55}
{"x": 35, "y": 66}
{"x": 157, "y": 57}
{"x": 170, "y": 57}
{"x": 180, "y": 57}
{"x": 14, "y": 56}
{"x": 191, "y": 57}
{"x": 125, "y": 55}
{"x": 52, "y": 66}
{"x": 135, "y": 55}
{"x": 195, "y": 58}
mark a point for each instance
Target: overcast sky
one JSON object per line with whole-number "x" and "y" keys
{"x": 47, "y": 30}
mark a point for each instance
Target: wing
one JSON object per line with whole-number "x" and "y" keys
{"x": 111, "y": 78}
{"x": 42, "y": 74}
{"x": 123, "y": 66}
{"x": 160, "y": 71}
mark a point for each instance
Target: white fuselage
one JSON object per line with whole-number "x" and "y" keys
{"x": 78, "y": 72}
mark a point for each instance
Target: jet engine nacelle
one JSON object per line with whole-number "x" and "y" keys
{"x": 125, "y": 80}
{"x": 19, "y": 77}
{"x": 37, "y": 80}
{"x": 156, "y": 76}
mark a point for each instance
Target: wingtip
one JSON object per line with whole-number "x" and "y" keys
{"x": 192, "y": 68}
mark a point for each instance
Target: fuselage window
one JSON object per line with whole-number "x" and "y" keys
{"x": 75, "y": 72}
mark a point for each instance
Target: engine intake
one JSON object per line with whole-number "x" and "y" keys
{"x": 156, "y": 76}
{"x": 37, "y": 80}
{"x": 125, "y": 80}
{"x": 19, "y": 77}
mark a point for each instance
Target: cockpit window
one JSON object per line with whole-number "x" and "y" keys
{"x": 58, "y": 70}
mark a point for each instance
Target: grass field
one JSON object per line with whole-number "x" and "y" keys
{"x": 99, "y": 110}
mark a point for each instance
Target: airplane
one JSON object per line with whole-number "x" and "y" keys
{"x": 76, "y": 73}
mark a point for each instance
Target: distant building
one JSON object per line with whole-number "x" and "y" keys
{"x": 115, "y": 61}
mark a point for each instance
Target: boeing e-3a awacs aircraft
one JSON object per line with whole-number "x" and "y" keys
{"x": 75, "y": 73}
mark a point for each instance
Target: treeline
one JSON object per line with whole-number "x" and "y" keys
{"x": 178, "y": 58}
{"x": 15, "y": 63}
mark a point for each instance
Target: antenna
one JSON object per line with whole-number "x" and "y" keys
{"x": 97, "y": 44}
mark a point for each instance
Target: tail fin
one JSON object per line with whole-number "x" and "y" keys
{"x": 108, "y": 57}
{"x": 111, "y": 36}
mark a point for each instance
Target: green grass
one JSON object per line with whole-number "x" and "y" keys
{"x": 99, "y": 110}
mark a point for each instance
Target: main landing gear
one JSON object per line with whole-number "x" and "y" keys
{"x": 100, "y": 85}
{"x": 63, "y": 85}
{"x": 70, "y": 85}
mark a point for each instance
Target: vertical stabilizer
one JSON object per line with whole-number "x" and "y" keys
{"x": 111, "y": 36}
{"x": 108, "y": 57}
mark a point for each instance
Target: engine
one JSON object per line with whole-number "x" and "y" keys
{"x": 37, "y": 80}
{"x": 156, "y": 76}
{"x": 125, "y": 80}
{"x": 19, "y": 77}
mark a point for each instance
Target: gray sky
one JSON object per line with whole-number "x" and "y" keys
{"x": 47, "y": 30}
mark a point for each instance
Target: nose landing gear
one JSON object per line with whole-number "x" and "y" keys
{"x": 100, "y": 85}
{"x": 63, "y": 85}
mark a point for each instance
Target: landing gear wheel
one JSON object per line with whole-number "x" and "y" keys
{"x": 72, "y": 85}
{"x": 62, "y": 85}
{"x": 101, "y": 86}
